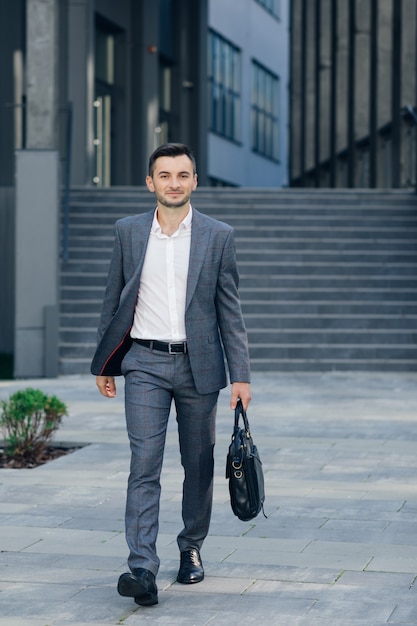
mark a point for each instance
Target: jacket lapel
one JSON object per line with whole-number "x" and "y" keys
{"x": 200, "y": 238}
{"x": 139, "y": 237}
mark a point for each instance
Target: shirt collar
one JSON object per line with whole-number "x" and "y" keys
{"x": 183, "y": 226}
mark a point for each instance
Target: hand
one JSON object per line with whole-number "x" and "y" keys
{"x": 242, "y": 391}
{"x": 106, "y": 385}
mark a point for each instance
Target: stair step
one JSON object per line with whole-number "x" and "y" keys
{"x": 340, "y": 321}
{"x": 74, "y": 321}
{"x": 322, "y": 267}
{"x": 330, "y": 308}
{"x": 79, "y": 366}
{"x": 336, "y": 351}
{"x": 327, "y": 336}
{"x": 329, "y": 281}
{"x": 298, "y": 225}
{"x": 274, "y": 295}
{"x": 331, "y": 364}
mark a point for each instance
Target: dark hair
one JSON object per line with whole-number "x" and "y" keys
{"x": 170, "y": 150}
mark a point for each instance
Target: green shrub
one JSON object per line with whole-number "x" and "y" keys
{"x": 28, "y": 421}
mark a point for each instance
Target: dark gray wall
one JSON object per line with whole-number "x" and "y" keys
{"x": 12, "y": 32}
{"x": 37, "y": 261}
{"x": 7, "y": 266}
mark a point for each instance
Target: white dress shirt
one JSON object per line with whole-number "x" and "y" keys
{"x": 160, "y": 306}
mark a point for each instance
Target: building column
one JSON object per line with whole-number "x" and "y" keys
{"x": 80, "y": 86}
{"x": 37, "y": 202}
{"x": 144, "y": 85}
{"x": 41, "y": 74}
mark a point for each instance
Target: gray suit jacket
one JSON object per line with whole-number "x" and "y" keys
{"x": 213, "y": 316}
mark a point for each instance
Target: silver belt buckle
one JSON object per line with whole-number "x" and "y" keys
{"x": 177, "y": 343}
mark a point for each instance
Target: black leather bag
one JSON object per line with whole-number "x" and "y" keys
{"x": 244, "y": 471}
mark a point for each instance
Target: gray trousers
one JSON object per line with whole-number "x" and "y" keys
{"x": 152, "y": 381}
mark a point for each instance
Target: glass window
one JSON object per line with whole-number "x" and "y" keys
{"x": 264, "y": 118}
{"x": 270, "y": 5}
{"x": 224, "y": 87}
{"x": 104, "y": 55}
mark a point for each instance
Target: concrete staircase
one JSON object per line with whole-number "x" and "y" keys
{"x": 328, "y": 278}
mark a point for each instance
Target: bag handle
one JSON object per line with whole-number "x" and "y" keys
{"x": 240, "y": 411}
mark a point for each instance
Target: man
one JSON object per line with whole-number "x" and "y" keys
{"x": 170, "y": 305}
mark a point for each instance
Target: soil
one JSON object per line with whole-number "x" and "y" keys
{"x": 50, "y": 454}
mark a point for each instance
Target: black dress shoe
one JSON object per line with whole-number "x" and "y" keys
{"x": 140, "y": 584}
{"x": 191, "y": 568}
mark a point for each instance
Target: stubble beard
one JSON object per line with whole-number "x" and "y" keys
{"x": 173, "y": 204}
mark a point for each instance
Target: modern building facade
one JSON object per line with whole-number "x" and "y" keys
{"x": 248, "y": 92}
{"x": 88, "y": 88}
{"x": 135, "y": 73}
{"x": 353, "y": 93}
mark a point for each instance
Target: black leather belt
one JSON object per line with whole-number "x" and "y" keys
{"x": 163, "y": 346}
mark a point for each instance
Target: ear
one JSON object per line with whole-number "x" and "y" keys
{"x": 195, "y": 182}
{"x": 149, "y": 183}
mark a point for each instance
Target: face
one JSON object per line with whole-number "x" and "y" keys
{"x": 172, "y": 181}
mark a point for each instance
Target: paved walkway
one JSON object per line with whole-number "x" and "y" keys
{"x": 339, "y": 546}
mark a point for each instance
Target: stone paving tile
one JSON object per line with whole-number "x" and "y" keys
{"x": 338, "y": 508}
{"x": 181, "y": 608}
{"x": 337, "y": 621}
{"x": 212, "y": 584}
{"x": 15, "y": 538}
{"x": 355, "y": 608}
{"x": 32, "y": 520}
{"x": 405, "y": 614}
{"x": 90, "y": 522}
{"x": 18, "y": 621}
{"x": 281, "y": 573}
{"x": 55, "y": 540}
{"x": 377, "y": 579}
{"x": 8, "y": 508}
{"x": 33, "y": 600}
{"x": 344, "y": 560}
{"x": 400, "y": 532}
{"x": 401, "y": 562}
{"x": 21, "y": 566}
